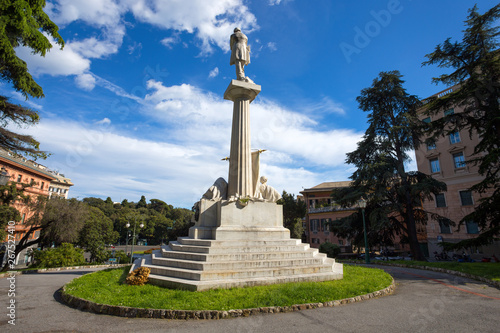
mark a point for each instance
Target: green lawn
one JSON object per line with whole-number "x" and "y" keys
{"x": 487, "y": 270}
{"x": 106, "y": 287}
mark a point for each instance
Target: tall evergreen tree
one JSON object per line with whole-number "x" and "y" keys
{"x": 394, "y": 194}
{"x": 22, "y": 23}
{"x": 475, "y": 64}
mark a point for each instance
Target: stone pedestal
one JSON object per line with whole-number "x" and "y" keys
{"x": 240, "y": 183}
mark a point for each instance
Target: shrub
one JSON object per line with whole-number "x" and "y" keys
{"x": 138, "y": 277}
{"x": 62, "y": 256}
{"x": 331, "y": 250}
{"x": 122, "y": 257}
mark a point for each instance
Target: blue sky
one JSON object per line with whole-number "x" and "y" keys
{"x": 133, "y": 103}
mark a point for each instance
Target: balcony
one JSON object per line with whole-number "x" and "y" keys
{"x": 329, "y": 208}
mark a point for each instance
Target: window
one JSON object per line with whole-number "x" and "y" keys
{"x": 466, "y": 198}
{"x": 459, "y": 160}
{"x": 427, "y": 120}
{"x": 23, "y": 218}
{"x": 449, "y": 112}
{"x": 435, "y": 165}
{"x": 325, "y": 225}
{"x": 315, "y": 240}
{"x": 444, "y": 227}
{"x": 19, "y": 178}
{"x": 314, "y": 225}
{"x": 454, "y": 137}
{"x": 440, "y": 200}
{"x": 431, "y": 145}
{"x": 41, "y": 186}
{"x": 341, "y": 242}
{"x": 472, "y": 227}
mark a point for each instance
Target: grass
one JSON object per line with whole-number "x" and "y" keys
{"x": 487, "y": 270}
{"x": 106, "y": 287}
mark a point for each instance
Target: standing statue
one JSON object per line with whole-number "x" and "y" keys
{"x": 240, "y": 54}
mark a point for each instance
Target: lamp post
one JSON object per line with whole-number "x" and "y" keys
{"x": 4, "y": 176}
{"x": 133, "y": 237}
{"x": 362, "y": 205}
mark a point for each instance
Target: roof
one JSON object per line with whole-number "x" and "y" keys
{"x": 31, "y": 165}
{"x": 61, "y": 179}
{"x": 327, "y": 186}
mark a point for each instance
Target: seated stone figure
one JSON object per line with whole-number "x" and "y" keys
{"x": 266, "y": 192}
{"x": 218, "y": 191}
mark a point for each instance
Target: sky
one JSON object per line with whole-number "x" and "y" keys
{"x": 134, "y": 101}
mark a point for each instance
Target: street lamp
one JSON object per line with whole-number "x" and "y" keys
{"x": 362, "y": 205}
{"x": 4, "y": 176}
{"x": 133, "y": 237}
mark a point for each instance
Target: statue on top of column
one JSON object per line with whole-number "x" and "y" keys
{"x": 240, "y": 54}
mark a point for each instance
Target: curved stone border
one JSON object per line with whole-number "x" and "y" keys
{"x": 495, "y": 284}
{"x": 130, "y": 312}
{"x": 56, "y": 269}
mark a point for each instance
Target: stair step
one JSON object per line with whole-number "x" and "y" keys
{"x": 235, "y": 264}
{"x": 237, "y": 274}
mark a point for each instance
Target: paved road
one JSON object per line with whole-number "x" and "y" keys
{"x": 423, "y": 302}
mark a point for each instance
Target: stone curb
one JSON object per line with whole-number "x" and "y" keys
{"x": 495, "y": 284}
{"x": 57, "y": 269}
{"x": 130, "y": 312}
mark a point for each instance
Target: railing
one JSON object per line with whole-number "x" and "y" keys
{"x": 328, "y": 209}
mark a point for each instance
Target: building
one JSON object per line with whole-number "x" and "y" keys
{"x": 445, "y": 160}
{"x": 60, "y": 186}
{"x": 25, "y": 171}
{"x": 320, "y": 211}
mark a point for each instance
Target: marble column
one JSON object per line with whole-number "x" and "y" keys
{"x": 240, "y": 159}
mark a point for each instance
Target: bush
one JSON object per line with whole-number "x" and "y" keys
{"x": 122, "y": 257}
{"x": 138, "y": 277}
{"x": 331, "y": 250}
{"x": 62, "y": 256}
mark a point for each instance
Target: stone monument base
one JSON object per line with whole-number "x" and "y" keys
{"x": 235, "y": 244}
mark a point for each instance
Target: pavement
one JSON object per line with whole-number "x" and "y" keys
{"x": 424, "y": 301}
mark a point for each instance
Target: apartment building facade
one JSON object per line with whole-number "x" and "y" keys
{"x": 321, "y": 210}
{"x": 23, "y": 171}
{"x": 446, "y": 160}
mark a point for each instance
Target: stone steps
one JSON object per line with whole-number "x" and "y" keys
{"x": 263, "y": 262}
{"x": 176, "y": 246}
{"x": 237, "y": 243}
{"x": 228, "y": 274}
{"x": 168, "y": 253}
{"x": 172, "y": 282}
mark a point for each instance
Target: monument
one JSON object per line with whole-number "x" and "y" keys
{"x": 238, "y": 238}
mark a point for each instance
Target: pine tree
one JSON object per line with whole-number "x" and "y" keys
{"x": 394, "y": 195}
{"x": 22, "y": 23}
{"x": 475, "y": 62}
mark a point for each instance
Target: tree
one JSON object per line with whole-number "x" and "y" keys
{"x": 96, "y": 233}
{"x": 475, "y": 62}
{"x": 293, "y": 213}
{"x": 63, "y": 220}
{"x": 142, "y": 203}
{"x": 22, "y": 23}
{"x": 394, "y": 194}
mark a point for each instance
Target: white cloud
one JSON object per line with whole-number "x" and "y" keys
{"x": 213, "y": 73}
{"x": 85, "y": 81}
{"x": 20, "y": 97}
{"x": 56, "y": 61}
{"x": 104, "y": 121}
{"x": 272, "y": 46}
{"x": 211, "y": 21}
{"x": 169, "y": 42}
